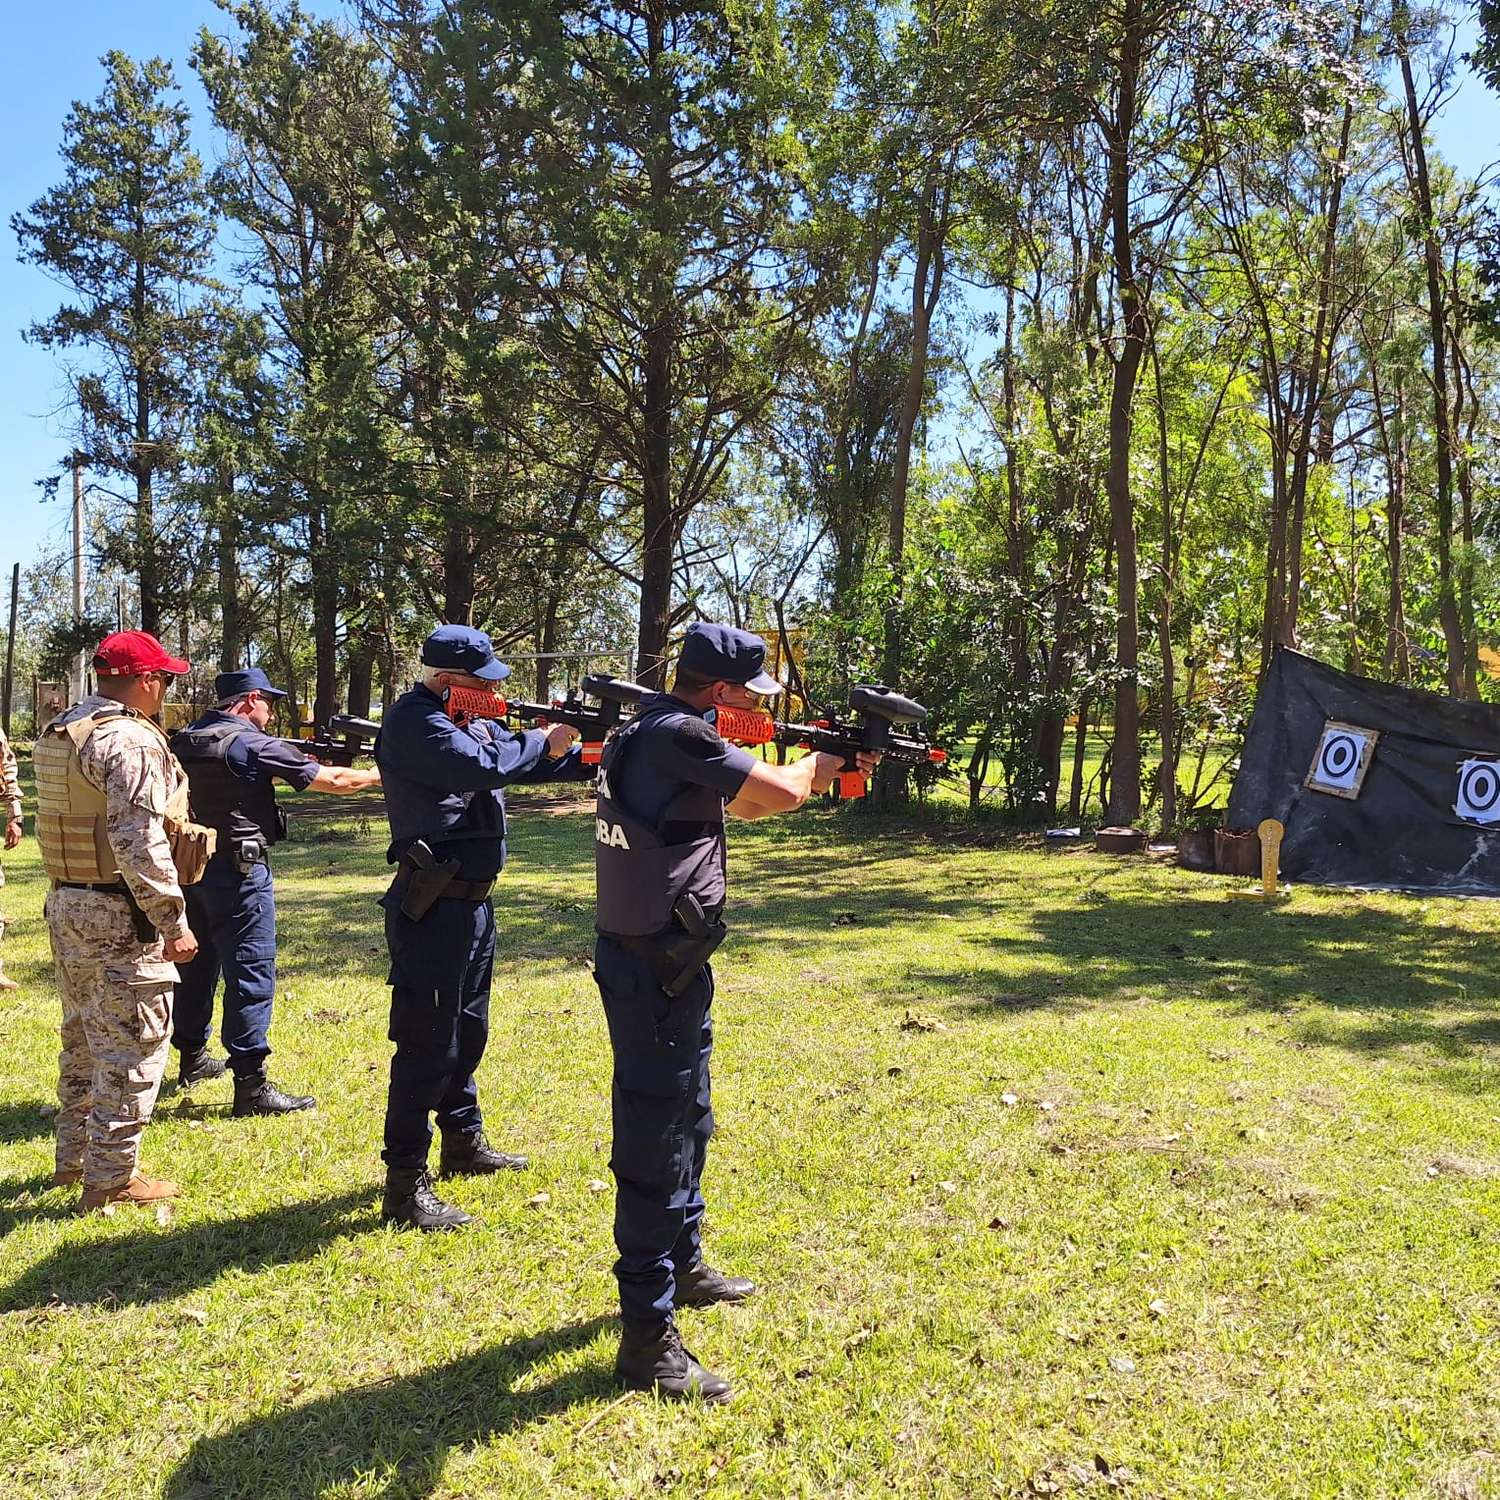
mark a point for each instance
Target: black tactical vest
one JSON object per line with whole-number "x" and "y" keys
{"x": 640, "y": 877}
{"x": 236, "y": 807}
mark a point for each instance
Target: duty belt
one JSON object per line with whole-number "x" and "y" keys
{"x": 456, "y": 890}
{"x": 678, "y": 954}
{"x": 113, "y": 887}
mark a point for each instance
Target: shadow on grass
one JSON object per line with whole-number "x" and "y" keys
{"x": 398, "y": 1432}
{"x": 18, "y": 1203}
{"x": 151, "y": 1264}
{"x": 1399, "y": 978}
{"x": 24, "y": 1122}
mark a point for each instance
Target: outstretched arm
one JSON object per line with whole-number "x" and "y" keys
{"x": 341, "y": 780}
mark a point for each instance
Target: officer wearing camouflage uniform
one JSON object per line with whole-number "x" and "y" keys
{"x": 666, "y": 780}
{"x": 110, "y": 801}
{"x": 10, "y": 789}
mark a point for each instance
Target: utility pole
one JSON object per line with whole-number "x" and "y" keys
{"x": 80, "y": 665}
{"x": 10, "y": 649}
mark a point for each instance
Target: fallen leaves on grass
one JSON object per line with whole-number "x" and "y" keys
{"x": 858, "y": 1339}
{"x": 538, "y": 1200}
{"x": 916, "y": 1021}
{"x": 1449, "y": 1164}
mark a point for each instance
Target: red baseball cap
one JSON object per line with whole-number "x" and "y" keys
{"x": 128, "y": 653}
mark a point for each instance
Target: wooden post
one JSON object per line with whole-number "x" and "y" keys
{"x": 1271, "y": 833}
{"x": 10, "y": 649}
{"x": 80, "y": 664}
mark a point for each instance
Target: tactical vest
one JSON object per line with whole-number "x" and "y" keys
{"x": 70, "y": 824}
{"x": 639, "y": 876}
{"x": 236, "y": 807}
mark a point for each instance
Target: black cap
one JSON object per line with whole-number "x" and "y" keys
{"x": 725, "y": 654}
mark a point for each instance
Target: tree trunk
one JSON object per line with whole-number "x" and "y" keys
{"x": 231, "y": 628}
{"x": 926, "y": 287}
{"x": 1080, "y": 751}
{"x": 361, "y": 677}
{"x": 325, "y": 609}
{"x": 1318, "y": 364}
{"x": 458, "y": 572}
{"x": 659, "y": 523}
{"x": 1125, "y": 778}
{"x": 1421, "y": 185}
{"x": 1167, "y": 773}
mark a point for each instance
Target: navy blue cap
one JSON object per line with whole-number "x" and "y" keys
{"x": 727, "y": 655}
{"x": 461, "y": 648}
{"x": 231, "y": 685}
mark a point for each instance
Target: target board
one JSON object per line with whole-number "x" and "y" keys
{"x": 1343, "y": 757}
{"x": 1478, "y": 798}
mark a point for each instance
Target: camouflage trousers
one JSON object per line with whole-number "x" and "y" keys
{"x": 2, "y": 920}
{"x": 116, "y": 1021}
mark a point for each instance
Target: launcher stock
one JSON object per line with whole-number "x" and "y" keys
{"x": 593, "y": 721}
{"x": 879, "y": 719}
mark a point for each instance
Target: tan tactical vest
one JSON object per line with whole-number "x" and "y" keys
{"x": 70, "y": 824}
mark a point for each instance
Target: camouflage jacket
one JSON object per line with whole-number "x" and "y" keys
{"x": 10, "y": 780}
{"x": 128, "y": 760}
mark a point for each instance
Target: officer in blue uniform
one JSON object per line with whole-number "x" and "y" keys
{"x": 231, "y": 764}
{"x": 666, "y": 780}
{"x": 444, "y": 798}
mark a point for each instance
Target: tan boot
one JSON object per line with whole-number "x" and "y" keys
{"x": 7, "y": 983}
{"x": 67, "y": 1176}
{"x": 138, "y": 1190}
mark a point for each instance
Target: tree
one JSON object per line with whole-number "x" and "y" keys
{"x": 129, "y": 231}
{"x": 656, "y": 233}
{"x": 306, "y": 111}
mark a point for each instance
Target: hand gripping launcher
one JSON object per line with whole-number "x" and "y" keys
{"x": 593, "y": 721}
{"x": 879, "y": 719}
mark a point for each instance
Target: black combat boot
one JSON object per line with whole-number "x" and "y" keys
{"x": 652, "y": 1357}
{"x": 409, "y": 1199}
{"x": 473, "y": 1156}
{"x": 255, "y": 1094}
{"x": 199, "y": 1066}
{"x": 701, "y": 1286}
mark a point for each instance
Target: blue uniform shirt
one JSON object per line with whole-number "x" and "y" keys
{"x": 666, "y": 759}
{"x": 444, "y": 783}
{"x": 256, "y": 756}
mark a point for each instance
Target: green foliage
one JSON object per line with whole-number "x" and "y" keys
{"x": 63, "y": 642}
{"x": 129, "y": 234}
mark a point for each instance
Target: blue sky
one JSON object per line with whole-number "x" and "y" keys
{"x": 52, "y": 58}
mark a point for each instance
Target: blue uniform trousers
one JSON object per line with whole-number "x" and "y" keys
{"x": 440, "y": 1020}
{"x": 233, "y": 916}
{"x": 663, "y": 1118}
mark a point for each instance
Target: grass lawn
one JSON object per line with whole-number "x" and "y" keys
{"x": 1062, "y": 1174}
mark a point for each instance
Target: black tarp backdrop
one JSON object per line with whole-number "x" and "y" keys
{"x": 1401, "y": 829}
